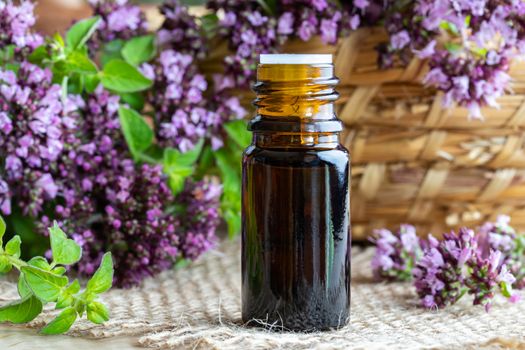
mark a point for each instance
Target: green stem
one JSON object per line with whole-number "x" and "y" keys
{"x": 463, "y": 292}
{"x": 16, "y": 262}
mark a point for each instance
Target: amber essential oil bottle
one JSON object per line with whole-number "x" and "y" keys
{"x": 295, "y": 210}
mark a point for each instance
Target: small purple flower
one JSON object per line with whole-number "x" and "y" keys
{"x": 355, "y": 21}
{"x": 329, "y": 30}
{"x": 285, "y": 25}
{"x": 47, "y": 184}
{"x": 400, "y": 40}
{"x": 119, "y": 20}
{"x": 396, "y": 253}
{"x": 36, "y": 125}
{"x": 361, "y": 4}
{"x": 15, "y": 27}
{"x": 439, "y": 274}
{"x": 307, "y": 29}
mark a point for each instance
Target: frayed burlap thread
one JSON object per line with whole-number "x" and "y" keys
{"x": 198, "y": 307}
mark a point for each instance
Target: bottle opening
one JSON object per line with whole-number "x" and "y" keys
{"x": 295, "y": 59}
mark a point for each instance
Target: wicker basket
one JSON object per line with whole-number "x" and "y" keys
{"x": 412, "y": 160}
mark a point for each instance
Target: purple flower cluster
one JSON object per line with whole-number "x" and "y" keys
{"x": 482, "y": 264}
{"x": 180, "y": 118}
{"x": 180, "y": 30}
{"x": 34, "y": 122}
{"x": 119, "y": 20}
{"x": 15, "y": 26}
{"x": 249, "y": 32}
{"x": 135, "y": 227}
{"x": 487, "y": 277}
{"x": 183, "y": 115}
{"x": 396, "y": 253}
{"x": 110, "y": 203}
{"x": 439, "y": 279}
{"x": 201, "y": 216}
{"x": 500, "y": 236}
{"x": 481, "y": 37}
{"x": 306, "y": 18}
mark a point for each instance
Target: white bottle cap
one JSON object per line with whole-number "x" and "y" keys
{"x": 295, "y": 59}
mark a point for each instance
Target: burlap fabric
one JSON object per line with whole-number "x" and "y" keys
{"x": 198, "y": 307}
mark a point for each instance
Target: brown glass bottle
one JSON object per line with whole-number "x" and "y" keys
{"x": 295, "y": 226}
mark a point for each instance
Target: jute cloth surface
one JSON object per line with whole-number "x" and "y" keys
{"x": 198, "y": 307}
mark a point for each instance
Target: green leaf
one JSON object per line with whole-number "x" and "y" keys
{"x": 13, "y": 246}
{"x": 59, "y": 270}
{"x": 134, "y": 99}
{"x": 74, "y": 83}
{"x": 23, "y": 288}
{"x": 60, "y": 70}
{"x": 5, "y": 265}
{"x": 7, "y": 53}
{"x": 14, "y": 67}
{"x": 153, "y": 155}
{"x": 193, "y": 2}
{"x": 65, "y": 250}
{"x": 81, "y": 31}
{"x": 40, "y": 54}
{"x": 103, "y": 277}
{"x": 506, "y": 289}
{"x": 79, "y": 62}
{"x": 173, "y": 157}
{"x": 73, "y": 288}
{"x": 45, "y": 285}
{"x": 231, "y": 197}
{"x": 61, "y": 323}
{"x": 120, "y": 76}
{"x": 239, "y": 133}
{"x": 449, "y": 27}
{"x": 178, "y": 166}
{"x": 59, "y": 40}
{"x": 138, "y": 134}
{"x": 66, "y": 297}
{"x": 209, "y": 24}
{"x": 21, "y": 311}
{"x": 233, "y": 219}
{"x": 181, "y": 263}
{"x": 2, "y": 230}
{"x": 269, "y": 6}
{"x": 111, "y": 51}
{"x": 205, "y": 164}
{"x": 139, "y": 49}
{"x": 453, "y": 47}
{"x": 91, "y": 82}
{"x": 40, "y": 262}
{"x": 80, "y": 307}
{"x": 97, "y": 312}
{"x": 63, "y": 301}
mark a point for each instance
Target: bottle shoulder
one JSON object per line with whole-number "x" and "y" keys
{"x": 297, "y": 156}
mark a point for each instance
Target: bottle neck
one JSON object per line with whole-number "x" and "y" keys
{"x": 295, "y": 106}
{"x": 296, "y": 140}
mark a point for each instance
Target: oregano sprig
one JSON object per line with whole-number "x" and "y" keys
{"x": 41, "y": 282}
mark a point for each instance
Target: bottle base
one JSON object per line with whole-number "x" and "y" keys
{"x": 303, "y": 326}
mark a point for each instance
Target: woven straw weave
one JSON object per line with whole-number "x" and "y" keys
{"x": 465, "y": 170}
{"x": 199, "y": 308}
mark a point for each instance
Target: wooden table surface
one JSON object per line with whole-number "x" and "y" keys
{"x": 18, "y": 338}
